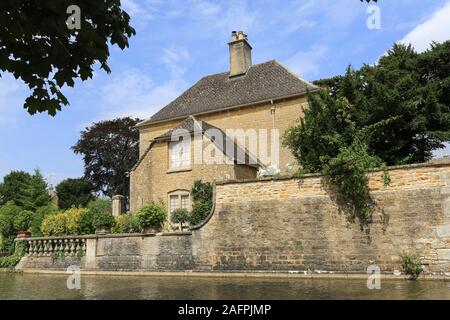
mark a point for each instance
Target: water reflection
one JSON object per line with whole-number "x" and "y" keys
{"x": 35, "y": 286}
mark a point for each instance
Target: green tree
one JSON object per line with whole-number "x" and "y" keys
{"x": 410, "y": 87}
{"x": 39, "y": 216}
{"x": 110, "y": 149}
{"x": 394, "y": 112}
{"x": 35, "y": 193}
{"x": 25, "y": 190}
{"x": 13, "y": 186}
{"x": 74, "y": 192}
{"x": 37, "y": 46}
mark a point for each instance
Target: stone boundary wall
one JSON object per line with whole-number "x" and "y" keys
{"x": 295, "y": 224}
{"x": 127, "y": 252}
{"x": 289, "y": 224}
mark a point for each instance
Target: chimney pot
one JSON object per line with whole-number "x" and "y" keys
{"x": 240, "y": 54}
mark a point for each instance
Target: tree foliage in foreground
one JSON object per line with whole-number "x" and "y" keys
{"x": 394, "y": 112}
{"x": 37, "y": 46}
{"x": 110, "y": 149}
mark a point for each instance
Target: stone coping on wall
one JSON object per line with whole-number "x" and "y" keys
{"x": 117, "y": 235}
{"x": 445, "y": 162}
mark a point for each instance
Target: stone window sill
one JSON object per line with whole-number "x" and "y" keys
{"x": 179, "y": 170}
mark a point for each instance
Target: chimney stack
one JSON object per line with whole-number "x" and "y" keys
{"x": 240, "y": 54}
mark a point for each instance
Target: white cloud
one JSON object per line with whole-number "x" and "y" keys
{"x": 140, "y": 12}
{"x": 306, "y": 64}
{"x": 436, "y": 28}
{"x": 175, "y": 59}
{"x": 134, "y": 93}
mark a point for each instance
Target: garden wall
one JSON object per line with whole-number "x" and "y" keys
{"x": 295, "y": 224}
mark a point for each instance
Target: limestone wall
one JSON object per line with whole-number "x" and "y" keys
{"x": 132, "y": 252}
{"x": 294, "y": 224}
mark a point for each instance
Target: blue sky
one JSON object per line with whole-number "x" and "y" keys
{"x": 178, "y": 42}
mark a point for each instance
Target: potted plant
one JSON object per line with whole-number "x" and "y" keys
{"x": 180, "y": 216}
{"x": 151, "y": 218}
{"x": 103, "y": 222}
{"x": 22, "y": 222}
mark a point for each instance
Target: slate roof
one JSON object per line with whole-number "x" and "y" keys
{"x": 262, "y": 82}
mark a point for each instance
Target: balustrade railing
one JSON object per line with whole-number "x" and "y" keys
{"x": 46, "y": 247}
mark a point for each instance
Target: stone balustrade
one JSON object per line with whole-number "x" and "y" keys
{"x": 48, "y": 246}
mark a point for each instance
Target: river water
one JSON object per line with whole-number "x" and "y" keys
{"x": 39, "y": 286}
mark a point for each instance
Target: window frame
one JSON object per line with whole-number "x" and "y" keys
{"x": 179, "y": 193}
{"x": 187, "y": 147}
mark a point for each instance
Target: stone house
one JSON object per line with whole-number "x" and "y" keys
{"x": 226, "y": 126}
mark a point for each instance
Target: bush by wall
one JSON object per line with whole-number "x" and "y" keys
{"x": 200, "y": 211}
{"x": 63, "y": 223}
{"x": 95, "y": 207}
{"x": 151, "y": 215}
{"x": 127, "y": 223}
{"x": 411, "y": 265}
{"x": 12, "y": 220}
{"x": 180, "y": 216}
{"x": 103, "y": 219}
{"x": 12, "y": 260}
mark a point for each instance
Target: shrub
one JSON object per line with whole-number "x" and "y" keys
{"x": 94, "y": 207}
{"x": 200, "y": 210}
{"x": 86, "y": 223}
{"x": 152, "y": 215}
{"x": 127, "y": 223}
{"x": 103, "y": 219}
{"x": 202, "y": 194}
{"x": 8, "y": 212}
{"x": 411, "y": 266}
{"x": 180, "y": 216}
{"x": 202, "y": 191}
{"x": 12, "y": 260}
{"x": 38, "y": 217}
{"x": 22, "y": 221}
{"x": 73, "y": 216}
{"x": 54, "y": 225}
{"x": 63, "y": 223}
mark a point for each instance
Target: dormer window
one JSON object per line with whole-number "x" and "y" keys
{"x": 180, "y": 154}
